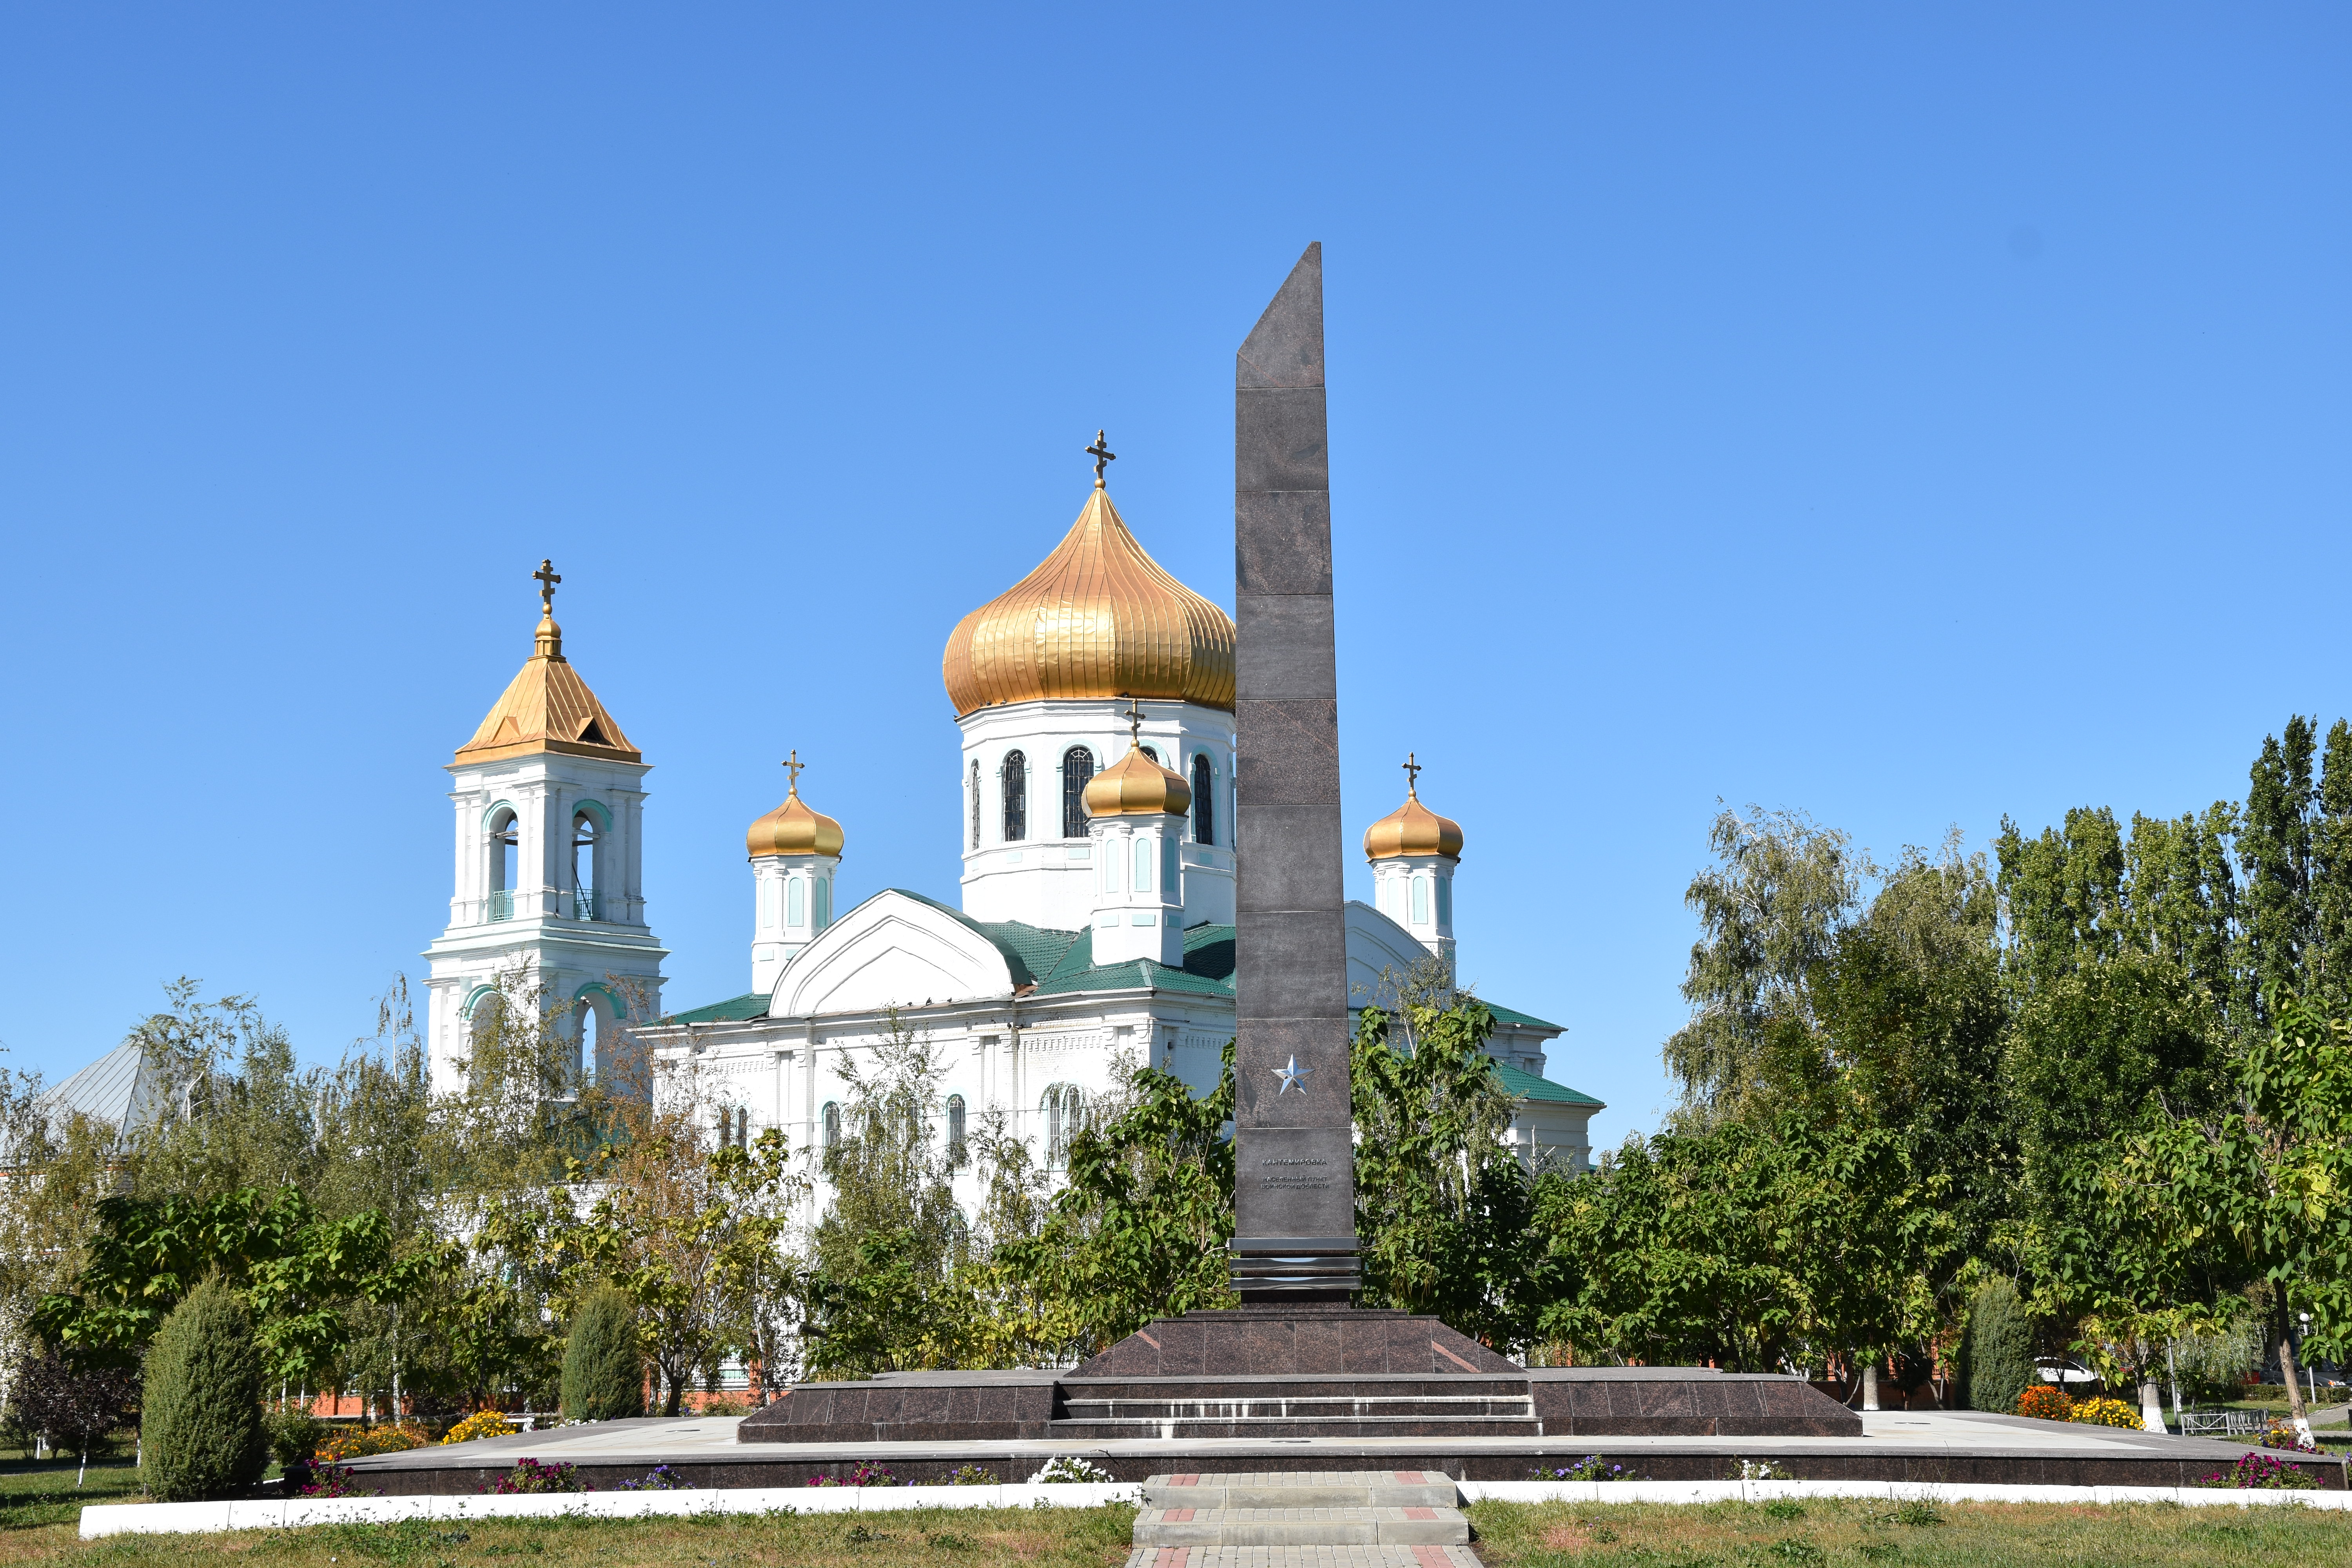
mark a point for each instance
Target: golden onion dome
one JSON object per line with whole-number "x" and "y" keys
{"x": 793, "y": 829}
{"x": 1098, "y": 619}
{"x": 1135, "y": 785}
{"x": 1413, "y": 828}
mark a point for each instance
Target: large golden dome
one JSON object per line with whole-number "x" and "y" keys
{"x": 1099, "y": 617}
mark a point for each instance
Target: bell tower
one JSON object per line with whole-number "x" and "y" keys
{"x": 548, "y": 900}
{"x": 795, "y": 852}
{"x": 1136, "y": 812}
{"x": 1414, "y": 852}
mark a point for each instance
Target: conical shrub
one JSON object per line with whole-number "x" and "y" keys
{"x": 200, "y": 1430}
{"x": 604, "y": 1374}
{"x": 1996, "y": 1356}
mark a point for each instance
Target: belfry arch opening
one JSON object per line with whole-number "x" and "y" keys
{"x": 587, "y": 861}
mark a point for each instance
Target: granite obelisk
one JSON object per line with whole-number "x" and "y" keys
{"x": 1294, "y": 1179}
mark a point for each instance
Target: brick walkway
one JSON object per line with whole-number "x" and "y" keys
{"x": 1320, "y": 1519}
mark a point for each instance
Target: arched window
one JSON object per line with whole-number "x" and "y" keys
{"x": 1065, "y": 1109}
{"x": 956, "y": 1156}
{"x": 505, "y": 865}
{"x": 1015, "y": 781}
{"x": 832, "y": 1122}
{"x": 1152, "y": 751}
{"x": 975, "y": 803}
{"x": 1204, "y": 815}
{"x": 585, "y": 883}
{"x": 1077, "y": 767}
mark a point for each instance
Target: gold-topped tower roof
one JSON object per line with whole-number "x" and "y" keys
{"x": 1098, "y": 618}
{"x": 547, "y": 707}
{"x": 793, "y": 829}
{"x": 1413, "y": 828}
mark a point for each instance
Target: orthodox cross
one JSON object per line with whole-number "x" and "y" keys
{"x": 1102, "y": 455}
{"x": 1412, "y": 776}
{"x": 1134, "y": 725}
{"x": 792, "y": 765}
{"x": 547, "y": 579}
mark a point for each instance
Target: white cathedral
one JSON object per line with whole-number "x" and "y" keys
{"x": 1092, "y": 923}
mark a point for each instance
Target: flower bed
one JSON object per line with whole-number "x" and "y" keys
{"x": 2107, "y": 1412}
{"x": 357, "y": 1442}
{"x": 2046, "y": 1402}
{"x": 2261, "y": 1471}
{"x": 481, "y": 1424}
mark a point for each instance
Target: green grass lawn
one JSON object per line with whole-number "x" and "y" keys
{"x": 1967, "y": 1535}
{"x": 38, "y": 1511}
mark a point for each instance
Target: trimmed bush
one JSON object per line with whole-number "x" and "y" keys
{"x": 201, "y": 1431}
{"x": 604, "y": 1374}
{"x": 1997, "y": 1355}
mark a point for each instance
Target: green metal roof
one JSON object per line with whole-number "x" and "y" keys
{"x": 1062, "y": 963}
{"x": 1528, "y": 1086}
{"x": 751, "y": 1004}
{"x": 1208, "y": 968}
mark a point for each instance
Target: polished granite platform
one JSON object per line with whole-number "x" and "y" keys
{"x": 1892, "y": 1446}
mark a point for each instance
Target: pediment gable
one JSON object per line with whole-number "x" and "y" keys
{"x": 892, "y": 950}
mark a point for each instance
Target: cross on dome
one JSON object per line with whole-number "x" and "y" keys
{"x": 792, "y": 765}
{"x": 1134, "y": 717}
{"x": 1411, "y": 777}
{"x": 546, "y": 578}
{"x": 1103, "y": 456}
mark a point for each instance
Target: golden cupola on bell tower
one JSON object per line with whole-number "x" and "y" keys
{"x": 1414, "y": 852}
{"x": 1041, "y": 676}
{"x": 795, "y": 851}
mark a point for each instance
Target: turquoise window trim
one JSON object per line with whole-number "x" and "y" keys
{"x": 490, "y": 811}
{"x": 473, "y": 999}
{"x": 797, "y": 905}
{"x": 596, "y": 809}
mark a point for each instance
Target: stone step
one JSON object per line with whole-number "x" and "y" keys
{"x": 1302, "y": 1557}
{"x": 1301, "y": 1527}
{"x": 1349, "y": 1427}
{"x": 1302, "y": 1488}
{"x": 1294, "y": 1407}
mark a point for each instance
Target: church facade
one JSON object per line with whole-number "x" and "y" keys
{"x": 1092, "y": 928}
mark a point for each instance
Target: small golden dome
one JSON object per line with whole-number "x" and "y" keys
{"x": 1413, "y": 828}
{"x": 1135, "y": 785}
{"x": 793, "y": 829}
{"x": 1099, "y": 617}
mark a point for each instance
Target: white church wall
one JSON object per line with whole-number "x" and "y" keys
{"x": 1046, "y": 877}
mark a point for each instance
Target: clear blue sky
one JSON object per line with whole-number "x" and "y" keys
{"x": 1906, "y": 414}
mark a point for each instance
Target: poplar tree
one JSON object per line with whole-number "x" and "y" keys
{"x": 2275, "y": 846}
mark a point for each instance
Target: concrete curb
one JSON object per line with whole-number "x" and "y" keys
{"x": 291, "y": 1513}
{"x": 1885, "y": 1491}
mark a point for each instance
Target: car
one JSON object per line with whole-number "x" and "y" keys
{"x": 2062, "y": 1369}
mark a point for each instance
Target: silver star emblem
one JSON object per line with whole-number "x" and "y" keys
{"x": 1293, "y": 1076}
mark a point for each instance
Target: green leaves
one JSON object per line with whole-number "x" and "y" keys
{"x": 1746, "y": 1245}
{"x": 1442, "y": 1205}
{"x": 296, "y": 1274}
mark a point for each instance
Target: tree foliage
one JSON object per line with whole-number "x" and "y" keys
{"x": 1442, "y": 1205}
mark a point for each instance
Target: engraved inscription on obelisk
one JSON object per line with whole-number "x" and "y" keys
{"x": 1294, "y": 1180}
